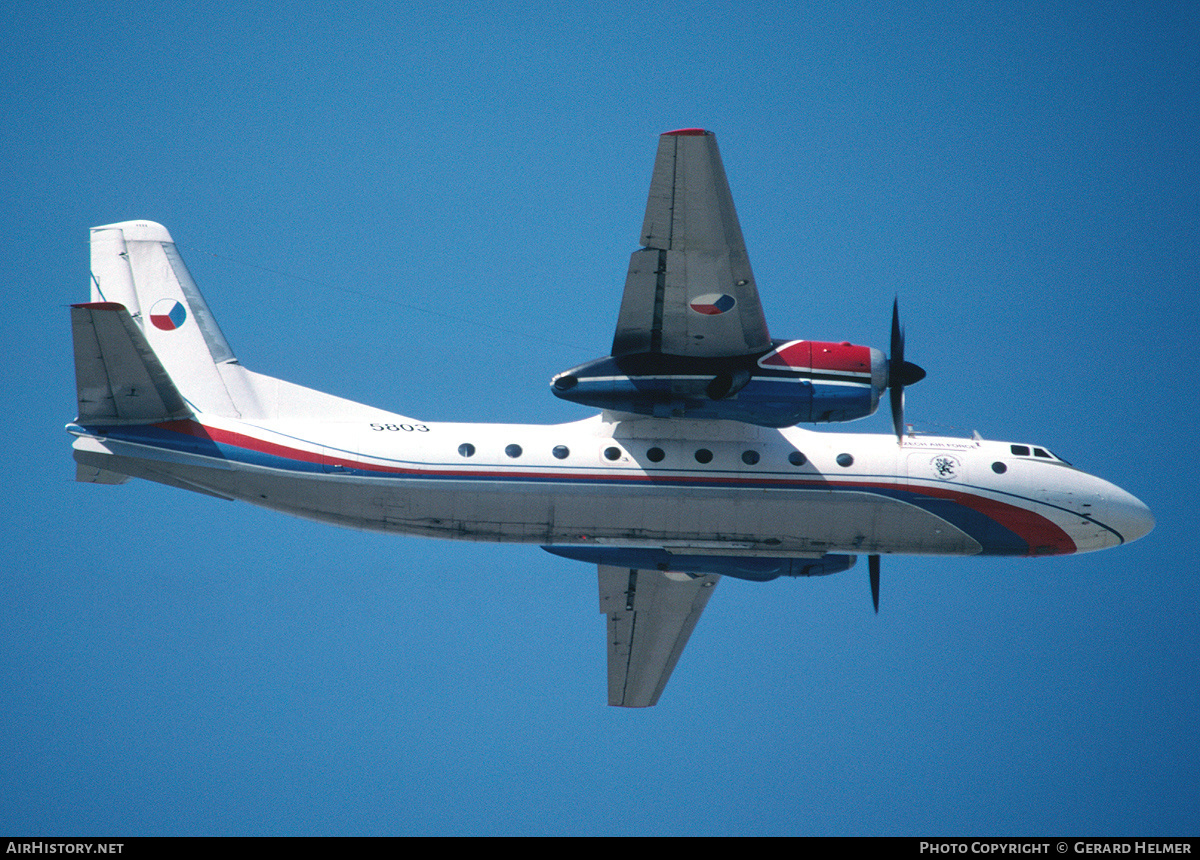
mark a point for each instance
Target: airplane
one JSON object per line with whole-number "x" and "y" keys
{"x": 694, "y": 469}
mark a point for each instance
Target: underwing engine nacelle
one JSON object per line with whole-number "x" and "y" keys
{"x": 796, "y": 381}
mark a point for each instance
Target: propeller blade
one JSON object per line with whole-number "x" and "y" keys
{"x": 873, "y": 570}
{"x": 896, "y": 394}
{"x": 900, "y": 373}
{"x": 897, "y": 345}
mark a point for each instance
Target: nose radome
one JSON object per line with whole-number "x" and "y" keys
{"x": 1129, "y": 515}
{"x": 1141, "y": 521}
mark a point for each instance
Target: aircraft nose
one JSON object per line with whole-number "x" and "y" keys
{"x": 1128, "y": 515}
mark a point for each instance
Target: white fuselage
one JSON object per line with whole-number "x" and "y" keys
{"x": 638, "y": 482}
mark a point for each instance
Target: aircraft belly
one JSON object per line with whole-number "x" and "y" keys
{"x": 800, "y": 521}
{"x": 773, "y": 521}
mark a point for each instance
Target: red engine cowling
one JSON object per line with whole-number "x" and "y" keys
{"x": 846, "y": 379}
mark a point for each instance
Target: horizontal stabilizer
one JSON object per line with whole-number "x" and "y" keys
{"x": 117, "y": 375}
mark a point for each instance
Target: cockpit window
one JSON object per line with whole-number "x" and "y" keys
{"x": 1029, "y": 451}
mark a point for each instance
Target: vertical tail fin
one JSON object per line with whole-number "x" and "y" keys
{"x": 136, "y": 264}
{"x": 148, "y": 324}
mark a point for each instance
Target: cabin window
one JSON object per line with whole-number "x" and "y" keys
{"x": 797, "y": 459}
{"x": 845, "y": 460}
{"x": 466, "y": 449}
{"x": 561, "y": 452}
{"x": 749, "y": 457}
{"x": 703, "y": 455}
{"x": 999, "y": 468}
{"x": 655, "y": 455}
{"x": 513, "y": 451}
{"x": 612, "y": 453}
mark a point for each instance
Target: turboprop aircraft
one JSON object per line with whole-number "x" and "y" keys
{"x": 695, "y": 469}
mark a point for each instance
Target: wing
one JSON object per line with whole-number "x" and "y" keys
{"x": 651, "y": 614}
{"x": 690, "y": 290}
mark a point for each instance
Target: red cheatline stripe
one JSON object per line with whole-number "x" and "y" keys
{"x": 239, "y": 440}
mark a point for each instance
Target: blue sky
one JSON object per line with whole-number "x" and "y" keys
{"x": 430, "y": 209}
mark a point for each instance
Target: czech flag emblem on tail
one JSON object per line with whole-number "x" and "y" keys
{"x": 711, "y": 304}
{"x": 168, "y": 314}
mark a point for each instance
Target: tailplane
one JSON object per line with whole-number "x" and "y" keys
{"x": 118, "y": 376}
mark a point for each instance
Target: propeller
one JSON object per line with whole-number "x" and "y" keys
{"x": 900, "y": 374}
{"x": 873, "y": 570}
